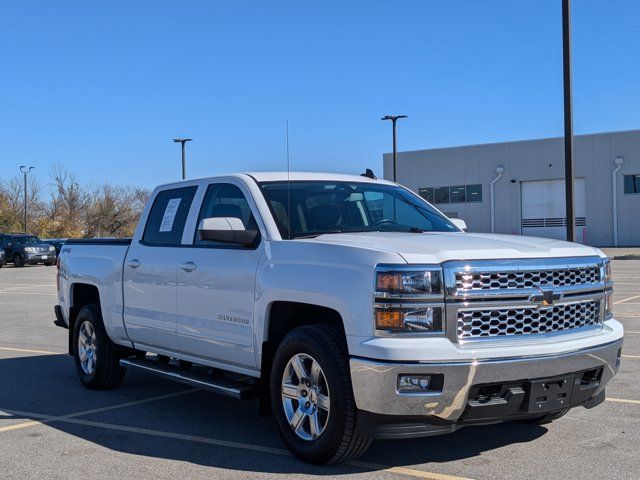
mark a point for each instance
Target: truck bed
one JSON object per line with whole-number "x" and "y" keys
{"x": 98, "y": 241}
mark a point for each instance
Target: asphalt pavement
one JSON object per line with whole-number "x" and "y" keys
{"x": 52, "y": 427}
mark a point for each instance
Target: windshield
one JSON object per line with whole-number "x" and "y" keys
{"x": 26, "y": 240}
{"x": 317, "y": 208}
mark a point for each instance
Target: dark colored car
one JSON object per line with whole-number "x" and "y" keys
{"x": 56, "y": 242}
{"x": 23, "y": 249}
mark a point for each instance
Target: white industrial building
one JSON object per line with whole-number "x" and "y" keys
{"x": 518, "y": 187}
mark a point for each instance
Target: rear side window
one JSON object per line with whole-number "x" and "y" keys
{"x": 168, "y": 216}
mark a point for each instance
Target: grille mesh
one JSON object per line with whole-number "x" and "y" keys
{"x": 501, "y": 280}
{"x": 526, "y": 321}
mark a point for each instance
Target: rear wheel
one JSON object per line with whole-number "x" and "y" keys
{"x": 312, "y": 396}
{"x": 96, "y": 356}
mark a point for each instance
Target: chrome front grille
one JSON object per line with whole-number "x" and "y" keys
{"x": 505, "y": 299}
{"x": 527, "y": 279}
{"x": 497, "y": 322}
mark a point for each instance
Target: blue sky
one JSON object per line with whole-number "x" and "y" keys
{"x": 103, "y": 87}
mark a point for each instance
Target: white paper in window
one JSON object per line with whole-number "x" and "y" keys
{"x": 170, "y": 215}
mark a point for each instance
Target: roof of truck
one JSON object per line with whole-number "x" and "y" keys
{"x": 284, "y": 176}
{"x": 302, "y": 176}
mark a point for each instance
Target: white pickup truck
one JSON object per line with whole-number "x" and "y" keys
{"x": 349, "y": 306}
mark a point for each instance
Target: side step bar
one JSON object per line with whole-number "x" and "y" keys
{"x": 199, "y": 379}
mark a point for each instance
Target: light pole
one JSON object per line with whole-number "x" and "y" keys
{"x": 25, "y": 170}
{"x": 394, "y": 119}
{"x": 182, "y": 141}
{"x": 568, "y": 118}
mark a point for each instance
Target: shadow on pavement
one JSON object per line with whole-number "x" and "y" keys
{"x": 48, "y": 385}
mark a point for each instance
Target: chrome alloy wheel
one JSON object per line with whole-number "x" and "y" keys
{"x": 305, "y": 396}
{"x": 87, "y": 348}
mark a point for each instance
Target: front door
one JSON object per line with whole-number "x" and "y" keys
{"x": 150, "y": 269}
{"x": 216, "y": 285}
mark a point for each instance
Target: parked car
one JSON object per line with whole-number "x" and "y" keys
{"x": 356, "y": 309}
{"x": 22, "y": 249}
{"x": 56, "y": 242}
{"x": 2, "y": 257}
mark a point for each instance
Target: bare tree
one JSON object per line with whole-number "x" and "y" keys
{"x": 71, "y": 211}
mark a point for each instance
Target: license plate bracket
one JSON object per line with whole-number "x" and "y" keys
{"x": 551, "y": 394}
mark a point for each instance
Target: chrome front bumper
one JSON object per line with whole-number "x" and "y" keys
{"x": 375, "y": 382}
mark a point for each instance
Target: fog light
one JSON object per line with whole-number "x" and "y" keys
{"x": 413, "y": 383}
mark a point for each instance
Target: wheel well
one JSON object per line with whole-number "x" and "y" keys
{"x": 81, "y": 294}
{"x": 283, "y": 317}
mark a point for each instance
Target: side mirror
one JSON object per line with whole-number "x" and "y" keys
{"x": 458, "y": 222}
{"x": 226, "y": 230}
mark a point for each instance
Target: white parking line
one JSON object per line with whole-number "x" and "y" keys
{"x": 51, "y": 418}
{"x": 30, "y": 293}
{"x": 411, "y": 472}
{"x": 626, "y": 299}
{"x": 40, "y": 352}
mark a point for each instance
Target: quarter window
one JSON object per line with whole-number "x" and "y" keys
{"x": 632, "y": 184}
{"x": 168, "y": 216}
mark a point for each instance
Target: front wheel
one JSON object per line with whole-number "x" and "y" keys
{"x": 312, "y": 396}
{"x": 18, "y": 261}
{"x": 96, "y": 356}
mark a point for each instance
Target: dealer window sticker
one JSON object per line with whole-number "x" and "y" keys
{"x": 170, "y": 215}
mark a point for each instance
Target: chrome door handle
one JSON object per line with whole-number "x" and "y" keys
{"x": 133, "y": 263}
{"x": 188, "y": 266}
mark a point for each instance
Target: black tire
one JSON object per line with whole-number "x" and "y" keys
{"x": 341, "y": 440}
{"x": 18, "y": 261}
{"x": 548, "y": 418}
{"x": 107, "y": 373}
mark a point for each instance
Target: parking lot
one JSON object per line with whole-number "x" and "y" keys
{"x": 52, "y": 427}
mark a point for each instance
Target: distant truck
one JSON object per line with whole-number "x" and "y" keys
{"x": 349, "y": 306}
{"x": 22, "y": 249}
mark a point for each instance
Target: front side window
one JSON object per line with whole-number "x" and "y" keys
{"x": 225, "y": 200}
{"x": 632, "y": 184}
{"x": 168, "y": 215}
{"x": 307, "y": 209}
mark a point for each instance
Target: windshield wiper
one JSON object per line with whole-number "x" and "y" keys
{"x": 416, "y": 230}
{"x": 314, "y": 235}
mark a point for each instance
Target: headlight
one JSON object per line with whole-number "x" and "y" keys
{"x": 29, "y": 249}
{"x": 51, "y": 248}
{"x": 409, "y": 299}
{"x": 608, "y": 289}
{"x": 409, "y": 282}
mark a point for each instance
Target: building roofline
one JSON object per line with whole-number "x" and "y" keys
{"x": 489, "y": 144}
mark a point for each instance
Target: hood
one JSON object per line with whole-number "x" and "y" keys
{"x": 437, "y": 247}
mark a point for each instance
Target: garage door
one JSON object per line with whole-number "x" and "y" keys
{"x": 543, "y": 212}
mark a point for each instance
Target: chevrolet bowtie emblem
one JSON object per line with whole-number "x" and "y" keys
{"x": 545, "y": 297}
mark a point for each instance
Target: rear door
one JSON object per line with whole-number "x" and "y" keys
{"x": 216, "y": 283}
{"x": 149, "y": 279}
